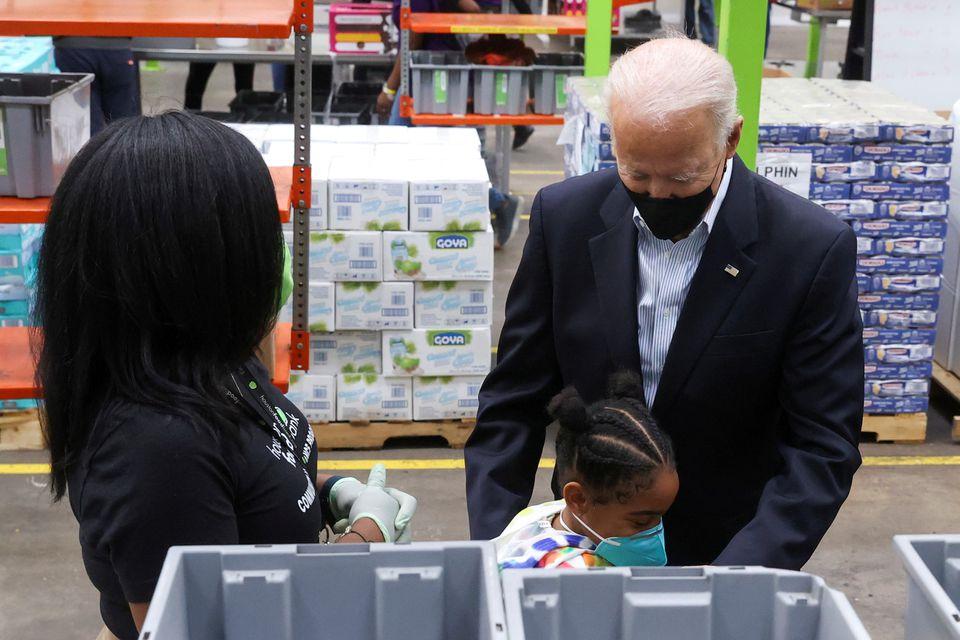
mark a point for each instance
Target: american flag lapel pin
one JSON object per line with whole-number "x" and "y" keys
{"x": 732, "y": 270}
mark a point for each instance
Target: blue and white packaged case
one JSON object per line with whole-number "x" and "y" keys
{"x": 898, "y": 353}
{"x": 913, "y": 210}
{"x": 887, "y": 335}
{"x": 904, "y": 283}
{"x": 829, "y": 191}
{"x": 822, "y": 153}
{"x": 923, "y": 133}
{"x": 937, "y": 153}
{"x": 906, "y": 371}
{"x": 851, "y": 209}
{"x": 899, "y": 264}
{"x": 845, "y": 171}
{"x": 890, "y": 228}
{"x": 899, "y": 301}
{"x": 913, "y": 172}
{"x": 844, "y": 133}
{"x": 896, "y": 388}
{"x": 899, "y": 191}
{"x": 908, "y": 246}
{"x": 905, "y": 404}
{"x": 901, "y": 318}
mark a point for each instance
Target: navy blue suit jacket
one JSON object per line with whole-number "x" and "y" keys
{"x": 761, "y": 390}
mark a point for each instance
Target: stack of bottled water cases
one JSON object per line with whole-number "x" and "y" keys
{"x": 882, "y": 165}
{"x": 19, "y": 246}
{"x": 877, "y": 162}
{"x": 400, "y": 274}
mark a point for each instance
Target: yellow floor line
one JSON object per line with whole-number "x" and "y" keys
{"x": 452, "y": 464}
{"x": 536, "y": 172}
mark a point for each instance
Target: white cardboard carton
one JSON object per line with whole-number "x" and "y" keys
{"x": 373, "y": 306}
{"x": 450, "y": 196}
{"x": 346, "y": 256}
{"x": 446, "y": 398}
{"x": 438, "y": 255}
{"x": 320, "y": 308}
{"x": 315, "y": 395}
{"x": 452, "y": 304}
{"x": 346, "y": 352}
{"x": 436, "y": 352}
{"x": 368, "y": 195}
{"x": 373, "y": 397}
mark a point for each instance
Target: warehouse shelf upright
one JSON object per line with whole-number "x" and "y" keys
{"x": 180, "y": 18}
{"x": 496, "y": 23}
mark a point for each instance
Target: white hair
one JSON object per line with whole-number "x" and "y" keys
{"x": 668, "y": 76}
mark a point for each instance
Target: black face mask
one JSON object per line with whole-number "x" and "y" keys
{"x": 668, "y": 218}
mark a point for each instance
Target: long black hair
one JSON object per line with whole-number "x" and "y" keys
{"x": 159, "y": 273}
{"x": 613, "y": 446}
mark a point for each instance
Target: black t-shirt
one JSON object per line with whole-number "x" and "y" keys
{"x": 148, "y": 480}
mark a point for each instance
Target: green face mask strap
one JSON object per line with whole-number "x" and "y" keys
{"x": 286, "y": 286}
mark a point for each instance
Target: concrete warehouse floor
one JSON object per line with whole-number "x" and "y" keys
{"x": 45, "y": 593}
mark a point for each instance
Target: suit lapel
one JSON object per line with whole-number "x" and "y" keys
{"x": 614, "y": 257}
{"x": 721, "y": 275}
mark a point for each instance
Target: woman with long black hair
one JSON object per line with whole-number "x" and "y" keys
{"x": 160, "y": 273}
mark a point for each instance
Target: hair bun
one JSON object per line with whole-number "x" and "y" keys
{"x": 568, "y": 409}
{"x": 625, "y": 385}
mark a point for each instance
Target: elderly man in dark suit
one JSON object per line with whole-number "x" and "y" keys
{"x": 735, "y": 299}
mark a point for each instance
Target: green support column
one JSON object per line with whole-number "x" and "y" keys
{"x": 596, "y": 46}
{"x": 813, "y": 49}
{"x": 741, "y": 42}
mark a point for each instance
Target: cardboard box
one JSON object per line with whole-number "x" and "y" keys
{"x": 910, "y": 370}
{"x": 898, "y": 353}
{"x": 913, "y": 210}
{"x": 896, "y": 388}
{"x": 851, "y": 209}
{"x": 906, "y": 404}
{"x": 372, "y": 397}
{"x": 450, "y": 196}
{"x": 446, "y": 398}
{"x": 899, "y": 301}
{"x": 320, "y": 308}
{"x": 902, "y": 318}
{"x": 368, "y": 194}
{"x": 845, "y": 171}
{"x": 374, "y": 305}
{"x": 913, "y": 171}
{"x": 820, "y": 153}
{"x": 883, "y": 335}
{"x": 898, "y": 283}
{"x": 890, "y": 228}
{"x": 436, "y": 352}
{"x": 438, "y": 255}
{"x": 346, "y": 352}
{"x": 900, "y": 191}
{"x": 938, "y": 153}
{"x": 453, "y": 304}
{"x": 905, "y": 246}
{"x": 346, "y": 256}
{"x": 830, "y": 191}
{"x": 315, "y": 395}
{"x": 899, "y": 265}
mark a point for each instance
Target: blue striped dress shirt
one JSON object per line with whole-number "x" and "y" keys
{"x": 666, "y": 269}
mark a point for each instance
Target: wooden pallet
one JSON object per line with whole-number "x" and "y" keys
{"x": 374, "y": 435}
{"x": 902, "y": 428}
{"x": 20, "y": 430}
{"x": 949, "y": 382}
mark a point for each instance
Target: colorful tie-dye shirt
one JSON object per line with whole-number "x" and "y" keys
{"x": 531, "y": 542}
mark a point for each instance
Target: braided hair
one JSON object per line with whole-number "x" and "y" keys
{"x": 614, "y": 446}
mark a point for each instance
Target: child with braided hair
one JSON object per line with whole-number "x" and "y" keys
{"x": 618, "y": 477}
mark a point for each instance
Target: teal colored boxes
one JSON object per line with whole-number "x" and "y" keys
{"x": 20, "y": 237}
{"x": 18, "y": 267}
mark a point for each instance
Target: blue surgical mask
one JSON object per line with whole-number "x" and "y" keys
{"x": 642, "y": 549}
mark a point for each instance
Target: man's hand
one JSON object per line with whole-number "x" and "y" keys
{"x": 391, "y": 509}
{"x": 385, "y": 105}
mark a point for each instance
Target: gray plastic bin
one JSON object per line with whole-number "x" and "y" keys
{"x": 704, "y": 603}
{"x": 501, "y": 90}
{"x": 933, "y": 568}
{"x": 421, "y": 591}
{"x": 44, "y": 120}
{"x": 550, "y": 73}
{"x": 441, "y": 81}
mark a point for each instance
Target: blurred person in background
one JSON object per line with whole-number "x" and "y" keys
{"x": 115, "y": 92}
{"x": 199, "y": 74}
{"x": 707, "y": 21}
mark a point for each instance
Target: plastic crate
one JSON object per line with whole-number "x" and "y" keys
{"x": 550, "y": 73}
{"x": 501, "y": 90}
{"x": 703, "y": 603}
{"x": 422, "y": 591}
{"x": 441, "y": 81}
{"x": 349, "y": 110}
{"x": 250, "y": 104}
{"x": 932, "y": 563}
{"x": 44, "y": 120}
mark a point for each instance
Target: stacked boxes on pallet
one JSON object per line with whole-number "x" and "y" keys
{"x": 401, "y": 271}
{"x": 874, "y": 160}
{"x": 19, "y": 246}
{"x": 881, "y": 164}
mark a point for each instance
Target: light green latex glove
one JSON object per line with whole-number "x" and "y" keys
{"x": 390, "y": 508}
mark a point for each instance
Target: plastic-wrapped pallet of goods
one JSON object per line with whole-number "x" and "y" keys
{"x": 401, "y": 248}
